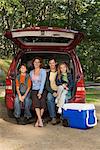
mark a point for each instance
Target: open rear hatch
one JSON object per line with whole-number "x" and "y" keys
{"x": 45, "y": 38}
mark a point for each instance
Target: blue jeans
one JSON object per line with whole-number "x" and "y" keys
{"x": 27, "y": 105}
{"x": 51, "y": 105}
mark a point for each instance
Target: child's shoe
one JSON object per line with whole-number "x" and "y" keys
{"x": 56, "y": 100}
{"x": 59, "y": 110}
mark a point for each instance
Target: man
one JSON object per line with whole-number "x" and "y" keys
{"x": 23, "y": 85}
{"x": 51, "y": 88}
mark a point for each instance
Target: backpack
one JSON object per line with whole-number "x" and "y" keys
{"x": 23, "y": 86}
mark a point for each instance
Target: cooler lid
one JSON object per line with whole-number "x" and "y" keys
{"x": 78, "y": 106}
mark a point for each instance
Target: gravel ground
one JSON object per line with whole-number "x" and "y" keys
{"x": 28, "y": 137}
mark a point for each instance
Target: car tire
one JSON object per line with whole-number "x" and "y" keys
{"x": 65, "y": 123}
{"x": 10, "y": 113}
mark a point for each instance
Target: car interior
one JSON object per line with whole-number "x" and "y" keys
{"x": 27, "y": 58}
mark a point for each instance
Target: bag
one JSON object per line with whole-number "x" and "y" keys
{"x": 23, "y": 86}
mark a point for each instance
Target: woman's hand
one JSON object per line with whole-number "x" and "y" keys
{"x": 39, "y": 96}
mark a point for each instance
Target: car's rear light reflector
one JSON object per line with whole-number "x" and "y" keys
{"x": 80, "y": 89}
{"x": 9, "y": 87}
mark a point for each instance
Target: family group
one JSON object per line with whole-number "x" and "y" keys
{"x": 42, "y": 89}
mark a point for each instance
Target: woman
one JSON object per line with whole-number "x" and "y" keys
{"x": 38, "y": 78}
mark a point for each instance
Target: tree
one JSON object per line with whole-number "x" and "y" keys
{"x": 81, "y": 15}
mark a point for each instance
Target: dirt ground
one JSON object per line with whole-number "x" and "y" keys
{"x": 28, "y": 137}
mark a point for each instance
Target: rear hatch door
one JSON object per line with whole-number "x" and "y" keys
{"x": 45, "y": 38}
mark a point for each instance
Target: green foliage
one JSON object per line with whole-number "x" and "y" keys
{"x": 81, "y": 15}
{"x": 4, "y": 65}
{"x": 93, "y": 95}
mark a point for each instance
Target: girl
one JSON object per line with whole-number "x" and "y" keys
{"x": 38, "y": 78}
{"x": 62, "y": 82}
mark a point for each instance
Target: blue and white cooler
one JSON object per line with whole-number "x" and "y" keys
{"x": 78, "y": 115}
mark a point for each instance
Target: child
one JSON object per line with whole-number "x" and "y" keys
{"x": 62, "y": 82}
{"x": 23, "y": 85}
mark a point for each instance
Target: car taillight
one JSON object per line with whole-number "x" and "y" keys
{"x": 9, "y": 86}
{"x": 80, "y": 89}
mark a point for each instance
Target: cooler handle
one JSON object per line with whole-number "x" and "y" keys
{"x": 87, "y": 118}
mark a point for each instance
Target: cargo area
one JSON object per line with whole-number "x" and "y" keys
{"x": 46, "y": 56}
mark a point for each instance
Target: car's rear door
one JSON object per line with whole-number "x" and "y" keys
{"x": 45, "y": 38}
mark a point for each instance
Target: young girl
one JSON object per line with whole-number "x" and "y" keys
{"x": 62, "y": 82}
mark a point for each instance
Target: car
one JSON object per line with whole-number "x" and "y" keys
{"x": 45, "y": 42}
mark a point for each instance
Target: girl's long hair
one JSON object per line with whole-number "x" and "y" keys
{"x": 59, "y": 71}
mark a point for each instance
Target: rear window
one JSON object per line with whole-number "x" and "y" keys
{"x": 45, "y": 40}
{"x": 60, "y": 57}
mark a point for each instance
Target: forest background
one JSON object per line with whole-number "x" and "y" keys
{"x": 80, "y": 15}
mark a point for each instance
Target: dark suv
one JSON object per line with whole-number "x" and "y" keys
{"x": 45, "y": 42}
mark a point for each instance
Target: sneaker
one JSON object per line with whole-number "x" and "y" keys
{"x": 56, "y": 101}
{"x": 54, "y": 121}
{"x": 59, "y": 110}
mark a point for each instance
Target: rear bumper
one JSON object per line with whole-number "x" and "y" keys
{"x": 78, "y": 100}
{"x": 9, "y": 100}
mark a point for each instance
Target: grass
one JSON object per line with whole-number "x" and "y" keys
{"x": 93, "y": 95}
{"x": 4, "y": 65}
{"x": 2, "y": 100}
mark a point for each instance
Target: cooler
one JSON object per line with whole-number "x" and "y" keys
{"x": 79, "y": 115}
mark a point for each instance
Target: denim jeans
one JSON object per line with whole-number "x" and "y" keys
{"x": 27, "y": 105}
{"x": 51, "y": 105}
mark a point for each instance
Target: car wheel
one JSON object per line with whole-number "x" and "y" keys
{"x": 65, "y": 123}
{"x": 10, "y": 113}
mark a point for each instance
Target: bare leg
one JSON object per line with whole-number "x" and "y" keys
{"x": 41, "y": 123}
{"x": 42, "y": 111}
{"x": 39, "y": 120}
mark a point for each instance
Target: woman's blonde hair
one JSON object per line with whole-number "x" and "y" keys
{"x": 59, "y": 71}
